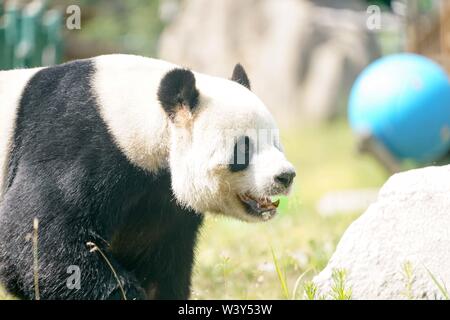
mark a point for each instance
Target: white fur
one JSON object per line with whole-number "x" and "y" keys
{"x": 126, "y": 88}
{"x": 196, "y": 147}
{"x": 199, "y": 155}
{"x": 12, "y": 84}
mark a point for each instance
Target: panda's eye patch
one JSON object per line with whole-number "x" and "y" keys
{"x": 242, "y": 153}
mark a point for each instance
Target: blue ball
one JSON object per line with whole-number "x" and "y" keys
{"x": 404, "y": 100}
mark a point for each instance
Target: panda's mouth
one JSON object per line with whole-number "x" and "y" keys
{"x": 261, "y": 207}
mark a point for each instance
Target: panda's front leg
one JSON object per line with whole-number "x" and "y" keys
{"x": 175, "y": 282}
{"x": 83, "y": 268}
{"x": 123, "y": 285}
{"x": 91, "y": 273}
{"x": 175, "y": 261}
{"x": 54, "y": 258}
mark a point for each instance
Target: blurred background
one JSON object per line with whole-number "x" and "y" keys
{"x": 304, "y": 59}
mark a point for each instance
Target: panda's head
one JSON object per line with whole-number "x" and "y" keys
{"x": 225, "y": 156}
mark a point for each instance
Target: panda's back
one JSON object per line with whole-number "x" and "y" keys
{"x": 54, "y": 127}
{"x": 121, "y": 89}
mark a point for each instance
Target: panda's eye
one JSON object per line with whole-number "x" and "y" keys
{"x": 242, "y": 154}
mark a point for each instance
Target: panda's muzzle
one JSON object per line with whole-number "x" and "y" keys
{"x": 261, "y": 207}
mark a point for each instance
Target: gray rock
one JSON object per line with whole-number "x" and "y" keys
{"x": 400, "y": 243}
{"x": 301, "y": 58}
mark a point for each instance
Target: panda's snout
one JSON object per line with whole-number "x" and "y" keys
{"x": 285, "y": 178}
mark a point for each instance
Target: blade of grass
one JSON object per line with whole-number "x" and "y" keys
{"x": 36, "y": 258}
{"x": 440, "y": 286}
{"x": 280, "y": 274}
{"x": 93, "y": 247}
{"x": 408, "y": 273}
{"x": 297, "y": 283}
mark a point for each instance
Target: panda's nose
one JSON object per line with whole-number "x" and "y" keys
{"x": 285, "y": 178}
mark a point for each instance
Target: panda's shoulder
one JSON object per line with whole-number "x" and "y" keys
{"x": 57, "y": 79}
{"x": 61, "y": 77}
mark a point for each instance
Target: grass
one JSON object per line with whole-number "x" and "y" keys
{"x": 440, "y": 285}
{"x": 339, "y": 289}
{"x": 281, "y": 276}
{"x": 310, "y": 291}
{"x": 408, "y": 274}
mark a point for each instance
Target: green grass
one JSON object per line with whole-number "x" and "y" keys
{"x": 265, "y": 260}
{"x": 339, "y": 289}
{"x": 408, "y": 274}
{"x": 281, "y": 275}
{"x": 440, "y": 285}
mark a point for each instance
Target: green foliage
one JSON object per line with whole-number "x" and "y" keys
{"x": 30, "y": 36}
{"x": 297, "y": 285}
{"x": 310, "y": 290}
{"x": 382, "y": 3}
{"x": 126, "y": 26}
{"x": 408, "y": 273}
{"x": 339, "y": 289}
{"x": 441, "y": 286}
{"x": 281, "y": 276}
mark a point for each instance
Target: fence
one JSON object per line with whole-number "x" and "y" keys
{"x": 30, "y": 35}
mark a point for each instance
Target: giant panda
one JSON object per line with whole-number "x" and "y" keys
{"x": 118, "y": 158}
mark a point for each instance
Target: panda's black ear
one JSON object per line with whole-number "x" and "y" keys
{"x": 240, "y": 76}
{"x": 177, "y": 91}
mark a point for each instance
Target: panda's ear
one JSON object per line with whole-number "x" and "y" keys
{"x": 177, "y": 92}
{"x": 240, "y": 76}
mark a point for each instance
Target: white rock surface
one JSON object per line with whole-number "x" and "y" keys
{"x": 408, "y": 225}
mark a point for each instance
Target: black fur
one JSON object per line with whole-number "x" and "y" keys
{"x": 66, "y": 171}
{"x": 177, "y": 88}
{"x": 240, "y": 76}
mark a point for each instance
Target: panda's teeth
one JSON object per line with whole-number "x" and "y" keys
{"x": 263, "y": 205}
{"x": 266, "y": 215}
{"x": 265, "y": 202}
